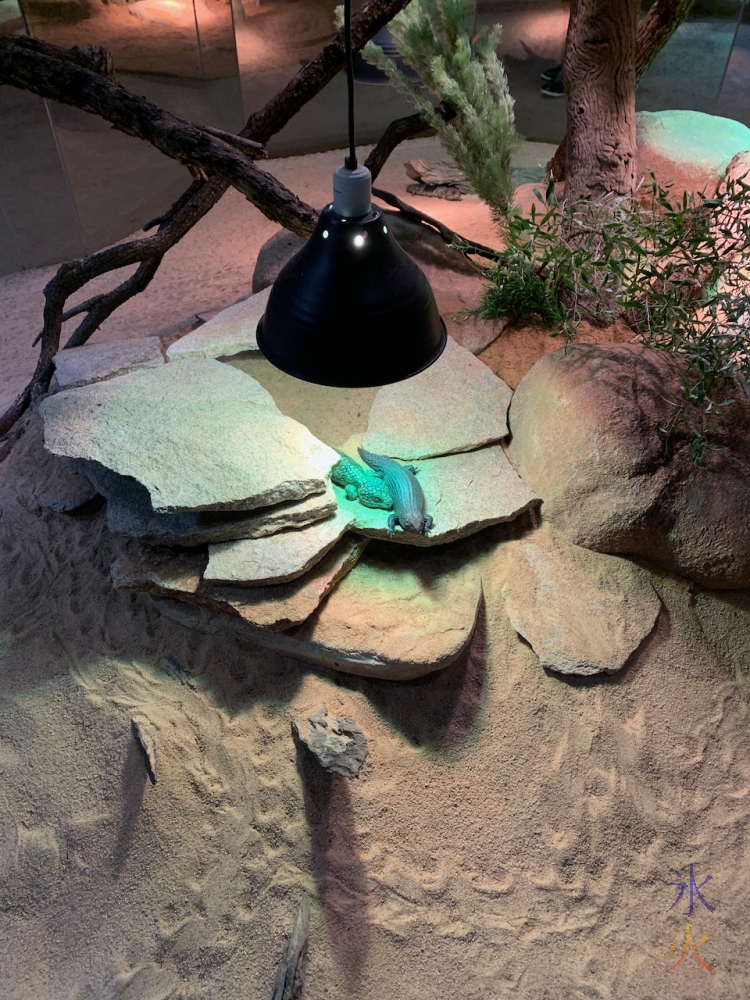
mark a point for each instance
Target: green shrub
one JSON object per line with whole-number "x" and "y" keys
{"x": 676, "y": 272}
{"x": 435, "y": 39}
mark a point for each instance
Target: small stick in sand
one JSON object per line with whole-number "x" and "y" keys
{"x": 288, "y": 982}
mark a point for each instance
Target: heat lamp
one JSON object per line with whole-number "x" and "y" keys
{"x": 351, "y": 308}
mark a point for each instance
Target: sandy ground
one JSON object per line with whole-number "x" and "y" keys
{"x": 512, "y": 834}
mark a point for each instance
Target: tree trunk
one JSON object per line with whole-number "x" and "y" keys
{"x": 654, "y": 31}
{"x": 599, "y": 71}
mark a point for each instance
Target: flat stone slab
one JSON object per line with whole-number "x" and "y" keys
{"x": 276, "y": 558}
{"x": 339, "y": 745}
{"x": 463, "y": 493}
{"x": 97, "y": 362}
{"x": 456, "y": 405}
{"x": 582, "y": 612}
{"x": 199, "y": 435}
{"x": 392, "y": 617}
{"x": 129, "y": 512}
{"x": 229, "y": 332}
{"x": 165, "y": 574}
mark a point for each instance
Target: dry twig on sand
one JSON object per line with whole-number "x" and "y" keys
{"x": 288, "y": 982}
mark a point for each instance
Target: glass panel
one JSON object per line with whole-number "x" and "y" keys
{"x": 120, "y": 183}
{"x": 275, "y": 38}
{"x": 688, "y": 72}
{"x": 532, "y": 41}
{"x": 38, "y": 220}
{"x": 734, "y": 99}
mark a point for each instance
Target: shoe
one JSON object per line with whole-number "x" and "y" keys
{"x": 549, "y": 74}
{"x": 555, "y": 87}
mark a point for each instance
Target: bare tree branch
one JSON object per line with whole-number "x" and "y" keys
{"x": 369, "y": 19}
{"x": 450, "y": 237}
{"x": 399, "y": 131}
{"x": 36, "y": 68}
{"x": 198, "y": 199}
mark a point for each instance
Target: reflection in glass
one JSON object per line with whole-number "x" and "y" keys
{"x": 181, "y": 55}
{"x": 38, "y": 220}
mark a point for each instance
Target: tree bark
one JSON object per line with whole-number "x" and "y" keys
{"x": 600, "y": 54}
{"x": 49, "y": 72}
{"x": 652, "y": 34}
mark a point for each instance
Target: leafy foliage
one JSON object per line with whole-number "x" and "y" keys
{"x": 675, "y": 271}
{"x": 434, "y": 38}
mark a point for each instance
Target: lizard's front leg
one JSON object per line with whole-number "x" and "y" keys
{"x": 392, "y": 522}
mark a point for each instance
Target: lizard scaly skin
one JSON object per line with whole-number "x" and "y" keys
{"x": 408, "y": 498}
{"x": 361, "y": 484}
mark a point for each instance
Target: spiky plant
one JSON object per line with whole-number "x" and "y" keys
{"x": 435, "y": 39}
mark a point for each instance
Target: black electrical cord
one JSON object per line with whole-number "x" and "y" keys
{"x": 351, "y": 160}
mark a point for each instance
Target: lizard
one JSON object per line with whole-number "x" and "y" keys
{"x": 408, "y": 498}
{"x": 361, "y": 484}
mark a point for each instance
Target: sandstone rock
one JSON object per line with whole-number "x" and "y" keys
{"x": 199, "y": 435}
{"x": 165, "y": 574}
{"x": 473, "y": 332}
{"x": 689, "y": 148}
{"x": 276, "y": 558}
{"x": 457, "y": 293}
{"x": 129, "y": 512}
{"x": 272, "y": 256}
{"x": 424, "y": 244}
{"x": 463, "y": 493}
{"x": 582, "y": 612}
{"x": 391, "y": 617}
{"x": 159, "y": 571}
{"x": 229, "y": 332}
{"x": 456, "y": 405}
{"x": 585, "y": 435}
{"x": 397, "y": 617}
{"x": 97, "y": 362}
{"x": 65, "y": 491}
{"x": 339, "y": 745}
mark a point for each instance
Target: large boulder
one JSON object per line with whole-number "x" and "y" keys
{"x": 588, "y": 435}
{"x": 690, "y": 149}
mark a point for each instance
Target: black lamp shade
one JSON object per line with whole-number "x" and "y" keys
{"x": 351, "y": 309}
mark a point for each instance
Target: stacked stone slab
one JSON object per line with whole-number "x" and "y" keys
{"x": 235, "y": 526}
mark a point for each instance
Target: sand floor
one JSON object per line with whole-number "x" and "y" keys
{"x": 512, "y": 833}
